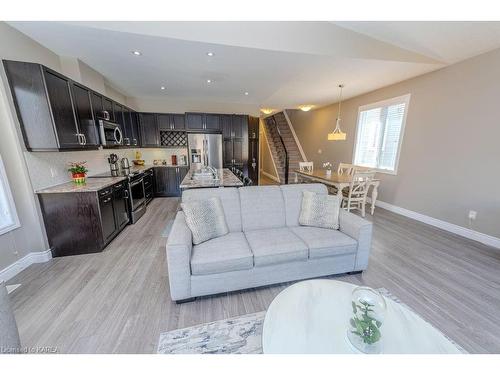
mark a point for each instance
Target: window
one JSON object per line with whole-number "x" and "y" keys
{"x": 379, "y": 134}
{"x": 8, "y": 215}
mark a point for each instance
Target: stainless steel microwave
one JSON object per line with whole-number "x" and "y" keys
{"x": 110, "y": 133}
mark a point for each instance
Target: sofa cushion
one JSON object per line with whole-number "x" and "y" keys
{"x": 262, "y": 207}
{"x": 319, "y": 210}
{"x": 230, "y": 199}
{"x": 205, "y": 218}
{"x": 277, "y": 245}
{"x": 222, "y": 254}
{"x": 292, "y": 195}
{"x": 325, "y": 242}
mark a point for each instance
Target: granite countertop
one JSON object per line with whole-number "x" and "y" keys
{"x": 91, "y": 185}
{"x": 227, "y": 179}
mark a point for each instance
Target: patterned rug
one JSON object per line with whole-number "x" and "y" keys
{"x": 238, "y": 335}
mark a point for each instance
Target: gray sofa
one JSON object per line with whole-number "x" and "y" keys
{"x": 265, "y": 244}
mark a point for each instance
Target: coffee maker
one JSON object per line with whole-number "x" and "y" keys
{"x": 113, "y": 164}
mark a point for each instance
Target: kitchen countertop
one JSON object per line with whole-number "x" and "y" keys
{"x": 91, "y": 185}
{"x": 227, "y": 179}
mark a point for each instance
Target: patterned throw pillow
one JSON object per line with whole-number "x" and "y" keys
{"x": 205, "y": 218}
{"x": 320, "y": 210}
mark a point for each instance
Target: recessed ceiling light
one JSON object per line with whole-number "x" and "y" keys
{"x": 210, "y": 54}
{"x": 163, "y": 87}
{"x": 267, "y": 111}
{"x": 246, "y": 93}
{"x": 209, "y": 81}
{"x": 305, "y": 107}
{"x": 137, "y": 53}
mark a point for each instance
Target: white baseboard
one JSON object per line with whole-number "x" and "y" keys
{"x": 449, "y": 227}
{"x": 268, "y": 175}
{"x": 39, "y": 257}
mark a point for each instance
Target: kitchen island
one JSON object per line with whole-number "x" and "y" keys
{"x": 226, "y": 178}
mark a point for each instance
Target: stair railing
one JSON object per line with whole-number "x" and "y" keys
{"x": 287, "y": 161}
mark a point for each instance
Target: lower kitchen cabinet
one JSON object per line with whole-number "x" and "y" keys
{"x": 90, "y": 219}
{"x": 168, "y": 180}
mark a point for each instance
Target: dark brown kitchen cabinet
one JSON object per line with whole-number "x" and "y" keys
{"x": 164, "y": 121}
{"x": 90, "y": 219}
{"x": 107, "y": 211}
{"x": 178, "y": 121}
{"x": 149, "y": 130}
{"x": 239, "y": 126}
{"x": 107, "y": 105}
{"x": 168, "y": 179}
{"x": 85, "y": 115}
{"x": 212, "y": 122}
{"x": 96, "y": 100}
{"x": 118, "y": 112}
{"x": 44, "y": 104}
{"x": 130, "y": 128}
{"x": 203, "y": 122}
{"x": 235, "y": 133}
{"x": 120, "y": 205}
{"x": 171, "y": 121}
{"x": 195, "y": 121}
{"x": 136, "y": 140}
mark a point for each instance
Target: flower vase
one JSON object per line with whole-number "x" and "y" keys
{"x": 328, "y": 173}
{"x": 79, "y": 178}
{"x": 368, "y": 313}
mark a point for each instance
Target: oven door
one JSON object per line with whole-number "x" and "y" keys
{"x": 137, "y": 193}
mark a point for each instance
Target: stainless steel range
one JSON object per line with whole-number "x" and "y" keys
{"x": 136, "y": 191}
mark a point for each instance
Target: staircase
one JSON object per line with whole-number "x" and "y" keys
{"x": 275, "y": 126}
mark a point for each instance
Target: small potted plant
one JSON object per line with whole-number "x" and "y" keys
{"x": 78, "y": 171}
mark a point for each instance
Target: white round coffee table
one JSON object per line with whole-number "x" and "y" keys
{"x": 313, "y": 316}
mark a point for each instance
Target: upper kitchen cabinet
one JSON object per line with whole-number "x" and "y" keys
{"x": 149, "y": 130}
{"x": 118, "y": 113}
{"x": 130, "y": 128}
{"x": 171, "y": 121}
{"x": 203, "y": 122}
{"x": 44, "y": 106}
{"x": 85, "y": 115}
{"x": 107, "y": 105}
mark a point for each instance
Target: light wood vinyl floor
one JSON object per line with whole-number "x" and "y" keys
{"x": 118, "y": 301}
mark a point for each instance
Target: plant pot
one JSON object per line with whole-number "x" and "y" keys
{"x": 79, "y": 178}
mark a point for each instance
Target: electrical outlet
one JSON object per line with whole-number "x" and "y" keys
{"x": 320, "y": 151}
{"x": 472, "y": 215}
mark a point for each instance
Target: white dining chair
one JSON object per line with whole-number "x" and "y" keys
{"x": 354, "y": 197}
{"x": 345, "y": 169}
{"x": 304, "y": 166}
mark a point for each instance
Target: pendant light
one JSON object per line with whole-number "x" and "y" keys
{"x": 338, "y": 134}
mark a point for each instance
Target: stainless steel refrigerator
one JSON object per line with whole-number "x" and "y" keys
{"x": 205, "y": 150}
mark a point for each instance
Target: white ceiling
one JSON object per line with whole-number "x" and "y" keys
{"x": 280, "y": 64}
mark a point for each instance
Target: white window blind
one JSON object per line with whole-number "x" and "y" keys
{"x": 379, "y": 134}
{"x": 8, "y": 215}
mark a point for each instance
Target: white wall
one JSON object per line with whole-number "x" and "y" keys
{"x": 450, "y": 154}
{"x": 30, "y": 237}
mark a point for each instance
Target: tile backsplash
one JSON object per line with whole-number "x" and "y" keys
{"x": 50, "y": 168}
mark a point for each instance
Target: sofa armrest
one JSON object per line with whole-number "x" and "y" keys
{"x": 179, "y": 247}
{"x": 361, "y": 230}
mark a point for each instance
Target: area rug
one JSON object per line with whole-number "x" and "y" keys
{"x": 238, "y": 335}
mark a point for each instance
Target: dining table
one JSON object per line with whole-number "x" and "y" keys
{"x": 339, "y": 181}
